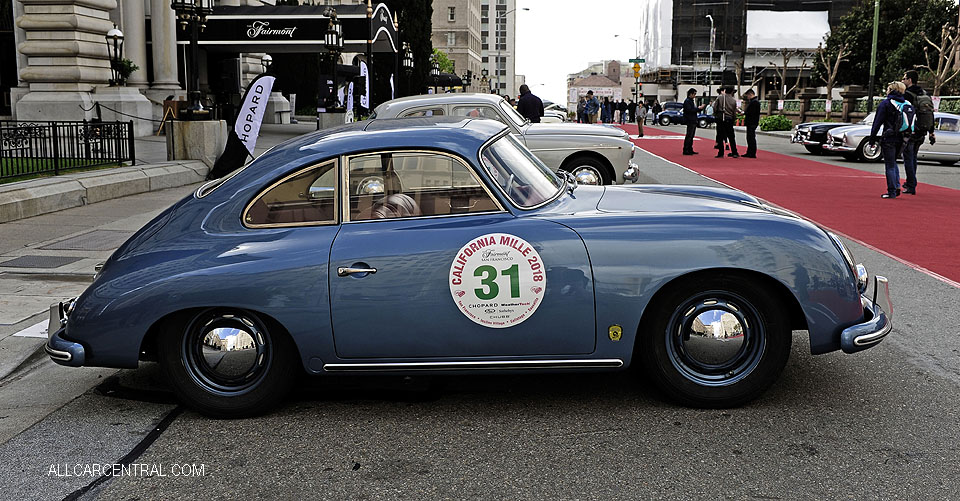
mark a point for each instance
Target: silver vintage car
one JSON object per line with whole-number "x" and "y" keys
{"x": 595, "y": 154}
{"x": 852, "y": 141}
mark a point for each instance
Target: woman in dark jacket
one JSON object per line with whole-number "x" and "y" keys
{"x": 891, "y": 140}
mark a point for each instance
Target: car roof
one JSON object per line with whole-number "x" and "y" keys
{"x": 463, "y": 136}
{"x": 446, "y": 98}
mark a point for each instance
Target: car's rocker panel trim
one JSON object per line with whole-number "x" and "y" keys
{"x": 477, "y": 364}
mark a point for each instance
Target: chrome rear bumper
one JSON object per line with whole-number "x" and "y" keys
{"x": 59, "y": 349}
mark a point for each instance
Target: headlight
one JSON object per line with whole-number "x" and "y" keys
{"x": 843, "y": 137}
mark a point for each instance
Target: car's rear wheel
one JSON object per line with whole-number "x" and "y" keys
{"x": 226, "y": 362}
{"x": 664, "y": 120}
{"x": 702, "y": 123}
{"x": 815, "y": 149}
{"x": 948, "y": 162}
{"x": 869, "y": 153}
{"x": 587, "y": 170}
{"x": 719, "y": 341}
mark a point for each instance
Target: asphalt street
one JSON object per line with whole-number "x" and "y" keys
{"x": 880, "y": 424}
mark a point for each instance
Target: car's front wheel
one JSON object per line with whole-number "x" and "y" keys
{"x": 702, "y": 123}
{"x": 226, "y": 362}
{"x": 948, "y": 162}
{"x": 868, "y": 152}
{"x": 587, "y": 170}
{"x": 715, "y": 342}
{"x": 815, "y": 149}
{"x": 664, "y": 120}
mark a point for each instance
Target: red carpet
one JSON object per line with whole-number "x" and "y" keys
{"x": 921, "y": 231}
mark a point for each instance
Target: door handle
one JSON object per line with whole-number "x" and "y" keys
{"x": 344, "y": 272}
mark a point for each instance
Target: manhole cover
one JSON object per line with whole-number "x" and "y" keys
{"x": 39, "y": 262}
{"x": 97, "y": 240}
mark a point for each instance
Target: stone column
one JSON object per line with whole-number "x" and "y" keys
{"x": 66, "y": 57}
{"x": 850, "y": 94}
{"x": 805, "y": 96}
{"x": 163, "y": 28}
{"x": 135, "y": 41}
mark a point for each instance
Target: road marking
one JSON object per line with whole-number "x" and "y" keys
{"x": 38, "y": 330}
{"x": 900, "y": 260}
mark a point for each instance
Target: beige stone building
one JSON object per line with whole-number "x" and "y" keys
{"x": 456, "y": 32}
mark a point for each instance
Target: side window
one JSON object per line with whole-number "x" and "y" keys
{"x": 430, "y": 112}
{"x": 476, "y": 112}
{"x": 306, "y": 198}
{"x": 948, "y": 124}
{"x": 411, "y": 184}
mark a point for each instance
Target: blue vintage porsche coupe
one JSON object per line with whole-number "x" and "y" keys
{"x": 415, "y": 246}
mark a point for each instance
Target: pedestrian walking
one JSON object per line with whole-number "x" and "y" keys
{"x": 922, "y": 127}
{"x": 656, "y": 107}
{"x": 895, "y": 114}
{"x": 640, "y": 119}
{"x": 622, "y": 108}
{"x": 690, "y": 112}
{"x": 716, "y": 110}
{"x": 751, "y": 121}
{"x": 632, "y": 110}
{"x": 529, "y": 106}
{"x": 591, "y": 108}
{"x": 581, "y": 115}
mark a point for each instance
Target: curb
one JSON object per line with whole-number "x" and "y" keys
{"x": 34, "y": 197}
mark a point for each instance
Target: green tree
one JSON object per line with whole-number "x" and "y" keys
{"x": 899, "y": 46}
{"x": 446, "y": 65}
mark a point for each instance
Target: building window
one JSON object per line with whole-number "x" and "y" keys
{"x": 451, "y": 38}
{"x": 451, "y": 13}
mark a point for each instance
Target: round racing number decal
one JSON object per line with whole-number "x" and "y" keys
{"x": 498, "y": 280}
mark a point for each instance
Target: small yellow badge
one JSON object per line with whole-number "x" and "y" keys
{"x": 616, "y": 332}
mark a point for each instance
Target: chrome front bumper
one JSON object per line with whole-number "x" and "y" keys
{"x": 59, "y": 349}
{"x": 840, "y": 149}
{"x": 632, "y": 173}
{"x": 803, "y": 139}
{"x": 877, "y": 323}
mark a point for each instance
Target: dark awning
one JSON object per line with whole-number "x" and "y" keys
{"x": 292, "y": 28}
{"x": 444, "y": 80}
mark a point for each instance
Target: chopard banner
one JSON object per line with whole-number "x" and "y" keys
{"x": 246, "y": 129}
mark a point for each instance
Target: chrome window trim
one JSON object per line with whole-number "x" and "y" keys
{"x": 336, "y": 201}
{"x": 486, "y": 145}
{"x": 213, "y": 184}
{"x": 345, "y": 185}
{"x": 402, "y": 114}
{"x": 584, "y": 148}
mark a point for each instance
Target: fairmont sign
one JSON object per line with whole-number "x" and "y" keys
{"x": 259, "y": 28}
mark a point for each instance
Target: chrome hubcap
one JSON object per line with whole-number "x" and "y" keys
{"x": 586, "y": 175}
{"x": 871, "y": 152}
{"x": 226, "y": 352}
{"x": 715, "y": 339}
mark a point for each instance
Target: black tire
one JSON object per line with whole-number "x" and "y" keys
{"x": 853, "y": 157}
{"x": 187, "y": 347}
{"x": 866, "y": 154}
{"x": 702, "y": 123}
{"x": 587, "y": 164}
{"x": 674, "y": 359}
{"x": 664, "y": 120}
{"x": 948, "y": 163}
{"x": 814, "y": 149}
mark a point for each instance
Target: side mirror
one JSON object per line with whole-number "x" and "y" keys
{"x": 317, "y": 193}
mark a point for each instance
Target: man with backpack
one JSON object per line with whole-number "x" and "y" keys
{"x": 896, "y": 115}
{"x": 923, "y": 126}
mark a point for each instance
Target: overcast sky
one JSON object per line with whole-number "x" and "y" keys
{"x": 557, "y": 37}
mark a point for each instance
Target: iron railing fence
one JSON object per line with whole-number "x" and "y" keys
{"x": 29, "y": 148}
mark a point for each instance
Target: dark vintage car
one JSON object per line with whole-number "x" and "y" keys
{"x": 813, "y": 135}
{"x": 443, "y": 245}
{"x": 673, "y": 114}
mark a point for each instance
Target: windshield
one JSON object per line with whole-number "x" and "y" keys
{"x": 514, "y": 116}
{"x": 521, "y": 176}
{"x": 868, "y": 120}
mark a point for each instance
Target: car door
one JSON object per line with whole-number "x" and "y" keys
{"x": 948, "y": 141}
{"x": 432, "y": 265}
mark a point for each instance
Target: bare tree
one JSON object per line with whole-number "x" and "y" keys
{"x": 781, "y": 71}
{"x": 831, "y": 66}
{"x": 946, "y": 55}
{"x": 738, "y": 68}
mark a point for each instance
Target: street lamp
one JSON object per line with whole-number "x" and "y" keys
{"x": 333, "y": 40}
{"x": 636, "y": 50}
{"x": 115, "y": 51}
{"x": 710, "y": 70}
{"x": 407, "y": 58}
{"x": 467, "y": 79}
{"x": 193, "y": 13}
{"x": 266, "y": 61}
{"x": 496, "y": 64}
